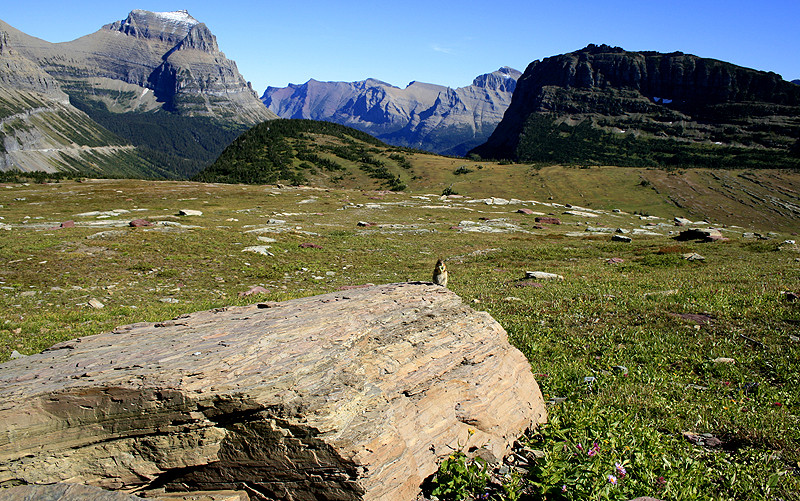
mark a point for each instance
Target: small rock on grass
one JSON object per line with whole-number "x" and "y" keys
{"x": 15, "y": 354}
{"x": 693, "y": 256}
{"x": 254, "y": 290}
{"x": 138, "y": 223}
{"x": 67, "y": 224}
{"x": 541, "y": 275}
{"x": 307, "y": 245}
{"x": 621, "y": 238}
{"x": 190, "y": 212}
{"x": 615, "y": 260}
{"x": 96, "y": 304}
{"x": 724, "y": 360}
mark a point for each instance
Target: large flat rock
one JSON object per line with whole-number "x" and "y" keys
{"x": 343, "y": 396}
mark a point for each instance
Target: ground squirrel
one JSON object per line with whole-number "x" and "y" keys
{"x": 440, "y": 274}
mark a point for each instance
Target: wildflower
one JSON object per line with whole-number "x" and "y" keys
{"x": 594, "y": 450}
{"x": 471, "y": 431}
{"x": 564, "y": 488}
{"x": 661, "y": 480}
{"x": 612, "y": 480}
{"x": 777, "y": 404}
{"x": 580, "y": 446}
{"x": 621, "y": 471}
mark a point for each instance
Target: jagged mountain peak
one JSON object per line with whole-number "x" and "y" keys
{"x": 166, "y": 26}
{"x": 504, "y": 79}
{"x": 421, "y": 115}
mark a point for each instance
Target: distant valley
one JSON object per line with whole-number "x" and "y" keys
{"x": 151, "y": 96}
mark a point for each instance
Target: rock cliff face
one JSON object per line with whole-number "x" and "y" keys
{"x": 424, "y": 116}
{"x": 41, "y": 131}
{"x": 679, "y": 96}
{"x": 347, "y": 396}
{"x": 147, "y": 61}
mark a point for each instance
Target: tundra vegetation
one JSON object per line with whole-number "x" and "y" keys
{"x": 667, "y": 377}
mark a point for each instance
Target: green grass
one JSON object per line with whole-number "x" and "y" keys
{"x": 600, "y": 317}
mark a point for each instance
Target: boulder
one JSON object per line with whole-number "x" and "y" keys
{"x": 702, "y": 234}
{"x": 138, "y": 223}
{"x": 190, "y": 212}
{"x": 548, "y": 220}
{"x": 352, "y": 395}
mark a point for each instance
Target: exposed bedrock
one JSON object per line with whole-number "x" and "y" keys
{"x": 344, "y": 396}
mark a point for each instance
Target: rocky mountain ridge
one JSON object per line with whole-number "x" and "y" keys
{"x": 692, "y": 101}
{"x": 121, "y": 74}
{"x": 147, "y": 61}
{"x": 41, "y": 131}
{"x": 422, "y": 115}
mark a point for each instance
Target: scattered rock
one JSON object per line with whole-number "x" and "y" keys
{"x": 622, "y": 230}
{"x": 724, "y": 360}
{"x": 15, "y": 354}
{"x": 702, "y": 234}
{"x": 670, "y": 292}
{"x": 253, "y": 291}
{"x": 525, "y": 210}
{"x": 682, "y": 221}
{"x": 615, "y": 260}
{"x": 548, "y": 220}
{"x": 512, "y": 299}
{"x": 621, "y": 238}
{"x": 170, "y": 300}
{"x": 138, "y": 223}
{"x": 693, "y": 256}
{"x": 96, "y": 304}
{"x": 106, "y": 234}
{"x": 365, "y": 224}
{"x": 702, "y": 439}
{"x": 259, "y": 249}
{"x": 268, "y": 240}
{"x": 486, "y": 455}
{"x": 580, "y": 213}
{"x": 190, "y": 212}
{"x": 596, "y": 229}
{"x": 790, "y": 296}
{"x": 67, "y": 224}
{"x": 347, "y": 395}
{"x": 541, "y": 275}
{"x": 307, "y": 245}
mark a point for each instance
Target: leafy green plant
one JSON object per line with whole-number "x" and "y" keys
{"x": 458, "y": 477}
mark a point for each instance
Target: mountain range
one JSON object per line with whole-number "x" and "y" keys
{"x": 606, "y": 105}
{"x": 126, "y": 76}
{"x": 422, "y": 115}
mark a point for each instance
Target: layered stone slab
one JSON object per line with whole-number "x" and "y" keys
{"x": 344, "y": 396}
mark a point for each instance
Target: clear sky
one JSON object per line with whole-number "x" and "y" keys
{"x": 445, "y": 42}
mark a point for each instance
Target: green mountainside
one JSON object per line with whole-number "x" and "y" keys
{"x": 298, "y": 151}
{"x": 150, "y": 96}
{"x": 603, "y": 105}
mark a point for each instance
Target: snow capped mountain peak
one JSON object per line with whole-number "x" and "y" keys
{"x": 177, "y": 17}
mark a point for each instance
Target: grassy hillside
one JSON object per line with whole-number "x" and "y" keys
{"x": 649, "y": 327}
{"x": 307, "y": 151}
{"x": 547, "y": 139}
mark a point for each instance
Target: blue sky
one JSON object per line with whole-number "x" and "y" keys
{"x": 446, "y": 42}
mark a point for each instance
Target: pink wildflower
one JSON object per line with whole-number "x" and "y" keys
{"x": 621, "y": 471}
{"x": 612, "y": 480}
